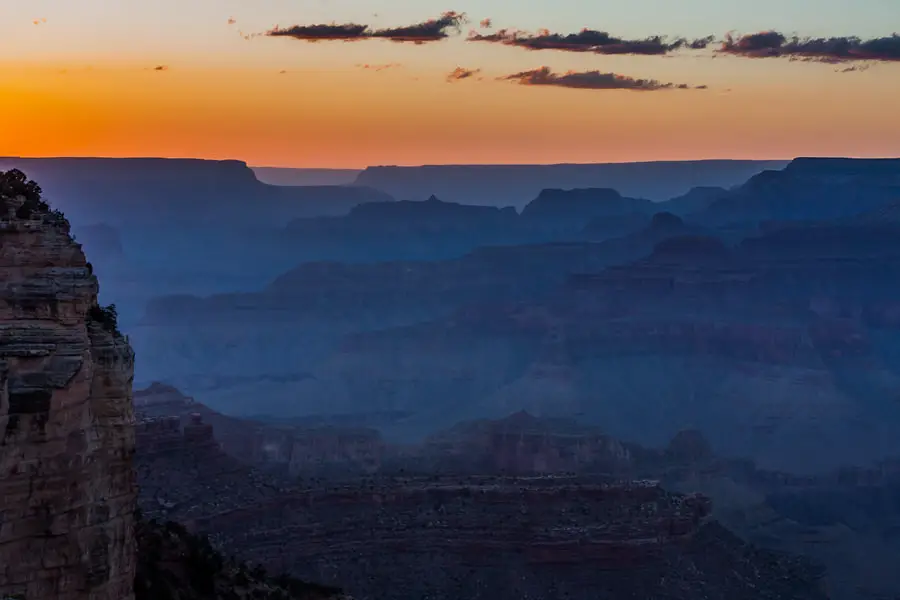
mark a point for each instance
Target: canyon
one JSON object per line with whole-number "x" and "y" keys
{"x": 550, "y": 468}
{"x": 731, "y": 298}
{"x": 468, "y": 534}
{"x": 626, "y": 393}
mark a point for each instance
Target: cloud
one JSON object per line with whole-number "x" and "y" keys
{"x": 40, "y": 21}
{"x": 589, "y": 40}
{"x": 431, "y": 30}
{"x": 232, "y": 20}
{"x": 316, "y": 33}
{"x": 249, "y": 36}
{"x": 161, "y": 68}
{"x": 379, "y": 67}
{"x": 772, "y": 44}
{"x": 460, "y": 73}
{"x": 426, "y": 31}
{"x": 486, "y": 24}
{"x": 592, "y": 80}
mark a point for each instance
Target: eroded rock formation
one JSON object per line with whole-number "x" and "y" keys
{"x": 283, "y": 448}
{"x": 67, "y": 488}
{"x": 476, "y": 534}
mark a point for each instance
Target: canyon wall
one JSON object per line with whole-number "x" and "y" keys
{"x": 67, "y": 488}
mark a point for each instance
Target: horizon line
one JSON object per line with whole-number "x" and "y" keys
{"x": 450, "y": 164}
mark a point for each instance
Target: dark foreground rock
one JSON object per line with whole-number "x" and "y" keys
{"x": 172, "y": 564}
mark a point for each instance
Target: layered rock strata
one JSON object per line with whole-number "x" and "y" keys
{"x": 67, "y": 488}
{"x": 541, "y": 538}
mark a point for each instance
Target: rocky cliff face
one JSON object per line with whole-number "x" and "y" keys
{"x": 67, "y": 488}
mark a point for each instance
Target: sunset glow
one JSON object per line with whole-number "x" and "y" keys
{"x": 286, "y": 102}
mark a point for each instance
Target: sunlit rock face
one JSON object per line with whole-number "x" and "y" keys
{"x": 67, "y": 488}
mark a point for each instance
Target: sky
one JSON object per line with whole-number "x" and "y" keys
{"x": 199, "y": 78}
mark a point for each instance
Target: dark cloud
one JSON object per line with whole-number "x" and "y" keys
{"x": 592, "y": 80}
{"x": 772, "y": 44}
{"x": 161, "y": 68}
{"x": 419, "y": 33}
{"x": 426, "y": 31}
{"x": 589, "y": 40}
{"x": 315, "y": 33}
{"x": 232, "y": 20}
{"x": 486, "y": 23}
{"x": 460, "y": 73}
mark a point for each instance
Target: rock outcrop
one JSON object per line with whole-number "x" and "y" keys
{"x": 289, "y": 449}
{"x": 67, "y": 488}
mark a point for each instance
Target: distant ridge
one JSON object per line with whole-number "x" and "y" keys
{"x": 513, "y": 185}
{"x": 304, "y": 177}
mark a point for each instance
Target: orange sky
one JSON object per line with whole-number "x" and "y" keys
{"x": 351, "y": 118}
{"x": 68, "y": 90}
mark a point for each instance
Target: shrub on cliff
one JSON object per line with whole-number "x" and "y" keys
{"x": 14, "y": 183}
{"x": 106, "y": 316}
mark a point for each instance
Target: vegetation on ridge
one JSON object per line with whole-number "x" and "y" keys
{"x": 106, "y": 316}
{"x": 14, "y": 183}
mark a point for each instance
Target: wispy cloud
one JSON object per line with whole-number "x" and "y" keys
{"x": 232, "y": 20}
{"x": 432, "y": 30}
{"x": 593, "y": 80}
{"x": 460, "y": 73}
{"x": 773, "y": 44}
{"x": 249, "y": 36}
{"x": 40, "y": 21}
{"x": 589, "y": 40}
{"x": 381, "y": 67}
{"x": 161, "y": 68}
{"x": 486, "y": 23}
{"x": 854, "y": 68}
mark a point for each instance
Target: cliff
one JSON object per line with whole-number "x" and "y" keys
{"x": 67, "y": 489}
